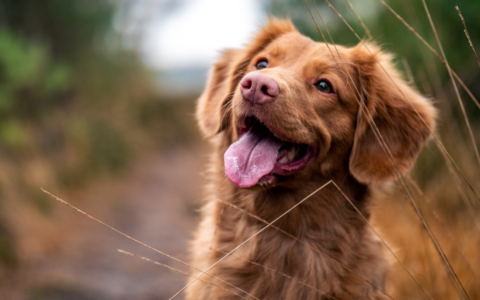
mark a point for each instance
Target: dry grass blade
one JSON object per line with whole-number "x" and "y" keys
{"x": 443, "y": 149}
{"x": 360, "y": 21}
{"x": 278, "y": 272}
{"x": 453, "y": 82}
{"x": 406, "y": 66}
{"x": 457, "y": 281}
{"x": 383, "y": 241}
{"x": 473, "y": 212}
{"x": 392, "y": 161}
{"x": 433, "y": 51}
{"x": 466, "y": 33}
{"x": 374, "y": 127}
{"x": 138, "y": 242}
{"x": 251, "y": 237}
{"x": 319, "y": 30}
{"x": 177, "y": 270}
{"x": 445, "y": 228}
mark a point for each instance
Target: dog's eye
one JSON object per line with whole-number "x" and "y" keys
{"x": 324, "y": 87}
{"x": 261, "y": 64}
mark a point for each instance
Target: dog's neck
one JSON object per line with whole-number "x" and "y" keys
{"x": 321, "y": 236}
{"x": 330, "y": 205}
{"x": 314, "y": 215}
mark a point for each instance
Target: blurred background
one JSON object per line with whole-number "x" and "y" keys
{"x": 97, "y": 102}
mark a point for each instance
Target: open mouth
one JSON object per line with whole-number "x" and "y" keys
{"x": 259, "y": 155}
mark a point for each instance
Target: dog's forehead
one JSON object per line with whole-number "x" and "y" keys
{"x": 297, "y": 47}
{"x": 305, "y": 57}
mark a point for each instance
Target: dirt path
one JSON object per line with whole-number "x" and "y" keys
{"x": 155, "y": 203}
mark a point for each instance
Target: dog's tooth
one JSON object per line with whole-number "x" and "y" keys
{"x": 291, "y": 154}
{"x": 283, "y": 160}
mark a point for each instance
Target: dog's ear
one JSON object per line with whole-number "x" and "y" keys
{"x": 397, "y": 120}
{"x": 211, "y": 105}
{"x": 213, "y": 110}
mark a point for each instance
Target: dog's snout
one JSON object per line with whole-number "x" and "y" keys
{"x": 259, "y": 88}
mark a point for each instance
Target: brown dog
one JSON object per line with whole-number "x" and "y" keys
{"x": 284, "y": 117}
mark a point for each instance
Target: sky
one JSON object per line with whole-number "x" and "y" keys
{"x": 193, "y": 34}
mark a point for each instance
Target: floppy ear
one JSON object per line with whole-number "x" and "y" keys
{"x": 213, "y": 109}
{"x": 211, "y": 106}
{"x": 398, "y": 122}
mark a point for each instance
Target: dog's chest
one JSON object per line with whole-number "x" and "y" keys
{"x": 277, "y": 263}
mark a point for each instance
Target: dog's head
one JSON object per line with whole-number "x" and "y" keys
{"x": 291, "y": 108}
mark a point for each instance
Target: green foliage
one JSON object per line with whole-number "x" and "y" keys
{"x": 29, "y": 77}
{"x": 56, "y": 69}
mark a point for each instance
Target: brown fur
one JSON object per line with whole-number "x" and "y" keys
{"x": 348, "y": 153}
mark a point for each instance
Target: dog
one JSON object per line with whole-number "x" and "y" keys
{"x": 285, "y": 115}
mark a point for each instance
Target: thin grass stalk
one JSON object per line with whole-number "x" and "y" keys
{"x": 277, "y": 272}
{"x": 406, "y": 66}
{"x": 360, "y": 21}
{"x": 433, "y": 51}
{"x": 409, "y": 194}
{"x": 441, "y": 145}
{"x": 466, "y": 33}
{"x": 251, "y": 237}
{"x": 138, "y": 242}
{"x": 445, "y": 228}
{"x": 433, "y": 74}
{"x": 321, "y": 32}
{"x": 383, "y": 241}
{"x": 300, "y": 241}
{"x": 431, "y": 131}
{"x": 468, "y": 202}
{"x": 375, "y": 130}
{"x": 429, "y": 258}
{"x": 453, "y": 130}
{"x": 177, "y": 270}
{"x": 453, "y": 82}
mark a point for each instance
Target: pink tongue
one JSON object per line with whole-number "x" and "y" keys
{"x": 251, "y": 157}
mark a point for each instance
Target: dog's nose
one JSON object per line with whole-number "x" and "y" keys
{"x": 259, "y": 88}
